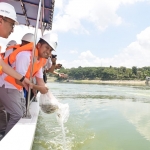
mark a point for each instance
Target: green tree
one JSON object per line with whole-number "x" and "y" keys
{"x": 134, "y": 70}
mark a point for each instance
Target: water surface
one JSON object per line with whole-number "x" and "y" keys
{"x": 102, "y": 117}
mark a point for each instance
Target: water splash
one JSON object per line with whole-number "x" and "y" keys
{"x": 62, "y": 115}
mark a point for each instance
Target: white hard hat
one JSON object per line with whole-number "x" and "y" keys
{"x": 47, "y": 38}
{"x": 29, "y": 37}
{"x": 12, "y": 42}
{"x": 7, "y": 10}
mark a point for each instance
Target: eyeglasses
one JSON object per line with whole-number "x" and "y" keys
{"x": 11, "y": 23}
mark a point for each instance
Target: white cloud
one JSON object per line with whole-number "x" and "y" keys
{"x": 135, "y": 54}
{"x": 65, "y": 23}
{"x": 101, "y": 14}
{"x": 73, "y": 52}
{"x": 86, "y": 55}
{"x": 59, "y": 4}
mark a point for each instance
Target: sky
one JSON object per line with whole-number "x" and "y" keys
{"x": 96, "y": 33}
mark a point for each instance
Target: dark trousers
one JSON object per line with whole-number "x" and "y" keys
{"x": 3, "y": 118}
{"x": 26, "y": 96}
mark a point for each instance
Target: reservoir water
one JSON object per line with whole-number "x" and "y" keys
{"x": 102, "y": 117}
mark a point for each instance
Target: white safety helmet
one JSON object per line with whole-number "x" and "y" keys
{"x": 47, "y": 38}
{"x": 7, "y": 10}
{"x": 29, "y": 37}
{"x": 11, "y": 43}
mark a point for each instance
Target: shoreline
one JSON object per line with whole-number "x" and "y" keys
{"x": 118, "y": 82}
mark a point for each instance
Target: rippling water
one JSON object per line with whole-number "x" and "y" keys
{"x": 102, "y": 117}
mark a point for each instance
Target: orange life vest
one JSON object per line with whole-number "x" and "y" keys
{"x": 2, "y": 55}
{"x": 13, "y": 46}
{"x": 36, "y": 66}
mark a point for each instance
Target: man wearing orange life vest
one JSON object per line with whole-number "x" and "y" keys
{"x": 9, "y": 49}
{"x": 7, "y": 22}
{"x": 12, "y": 45}
{"x": 13, "y": 98}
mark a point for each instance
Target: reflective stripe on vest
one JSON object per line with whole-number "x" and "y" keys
{"x": 36, "y": 66}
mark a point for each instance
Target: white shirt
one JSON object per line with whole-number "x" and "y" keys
{"x": 21, "y": 64}
{"x": 48, "y": 64}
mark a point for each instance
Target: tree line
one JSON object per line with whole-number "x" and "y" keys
{"x": 106, "y": 73}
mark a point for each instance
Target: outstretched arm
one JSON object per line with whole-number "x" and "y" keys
{"x": 8, "y": 70}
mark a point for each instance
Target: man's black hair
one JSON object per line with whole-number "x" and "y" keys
{"x": 24, "y": 43}
{"x": 41, "y": 41}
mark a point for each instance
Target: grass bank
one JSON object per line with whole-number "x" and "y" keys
{"x": 121, "y": 82}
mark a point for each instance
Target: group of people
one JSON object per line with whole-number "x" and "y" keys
{"x": 15, "y": 66}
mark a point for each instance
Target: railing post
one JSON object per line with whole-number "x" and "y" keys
{"x": 32, "y": 61}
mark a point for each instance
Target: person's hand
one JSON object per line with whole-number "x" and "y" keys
{"x": 26, "y": 83}
{"x": 58, "y": 66}
{"x": 62, "y": 75}
{"x": 43, "y": 89}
